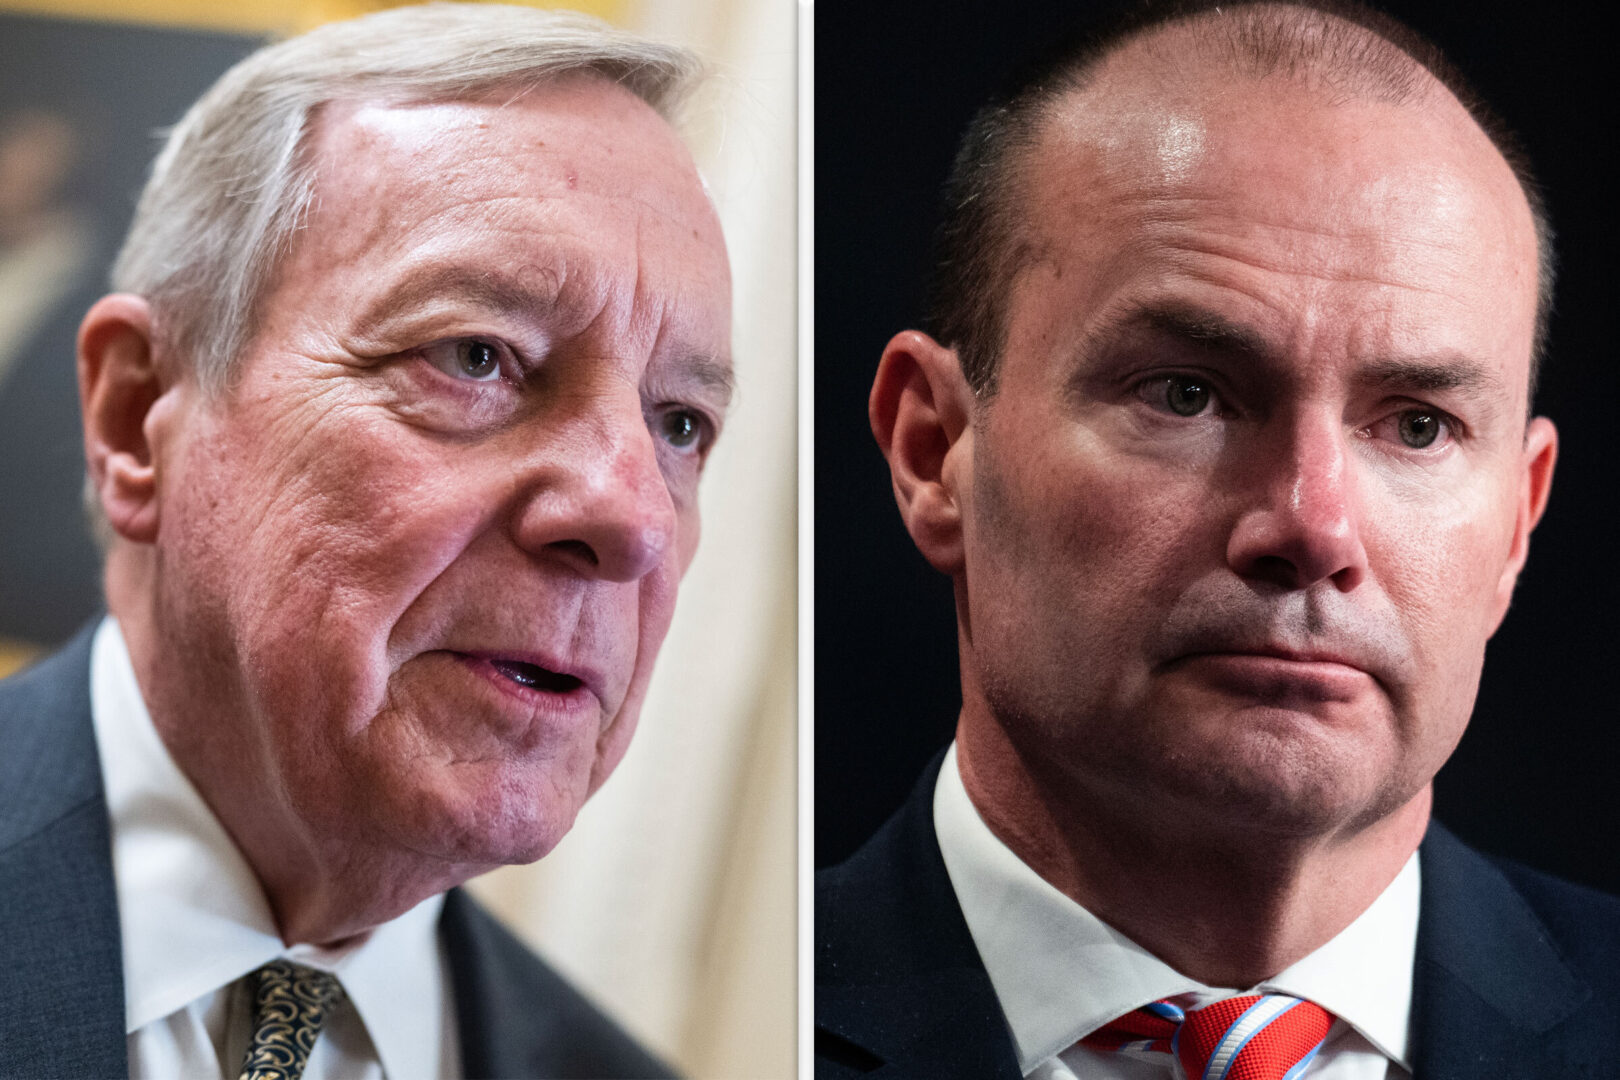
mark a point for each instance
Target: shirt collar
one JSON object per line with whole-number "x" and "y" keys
{"x": 1061, "y": 973}
{"x": 192, "y": 913}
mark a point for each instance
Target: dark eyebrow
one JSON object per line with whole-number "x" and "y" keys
{"x": 1201, "y": 329}
{"x": 1207, "y": 331}
{"x": 1431, "y": 374}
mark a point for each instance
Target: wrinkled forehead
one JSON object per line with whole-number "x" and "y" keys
{"x": 577, "y": 132}
{"x": 576, "y": 185}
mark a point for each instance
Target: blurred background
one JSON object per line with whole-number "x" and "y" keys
{"x": 1532, "y": 779}
{"x": 673, "y": 901}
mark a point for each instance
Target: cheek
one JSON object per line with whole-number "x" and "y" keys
{"x": 688, "y": 530}
{"x": 655, "y": 609}
{"x": 1074, "y": 555}
{"x": 1073, "y": 511}
{"x": 320, "y": 544}
{"x": 1439, "y": 559}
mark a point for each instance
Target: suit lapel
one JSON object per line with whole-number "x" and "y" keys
{"x": 497, "y": 1033}
{"x": 61, "y": 966}
{"x": 516, "y": 1017}
{"x": 1488, "y": 984}
{"x": 902, "y": 992}
{"x": 901, "y": 989}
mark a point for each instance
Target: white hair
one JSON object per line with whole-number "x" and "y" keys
{"x": 233, "y": 182}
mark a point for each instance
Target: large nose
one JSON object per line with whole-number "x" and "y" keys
{"x": 1301, "y": 522}
{"x": 600, "y": 503}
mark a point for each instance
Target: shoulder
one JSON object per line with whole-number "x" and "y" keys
{"x": 1582, "y": 922}
{"x": 1517, "y": 973}
{"x": 58, "y": 683}
{"x": 61, "y": 992}
{"x": 890, "y": 906}
{"x": 866, "y": 957}
{"x": 518, "y": 1017}
{"x": 49, "y": 767}
{"x": 899, "y": 982}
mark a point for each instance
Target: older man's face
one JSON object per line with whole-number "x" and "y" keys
{"x": 1257, "y": 482}
{"x": 427, "y": 548}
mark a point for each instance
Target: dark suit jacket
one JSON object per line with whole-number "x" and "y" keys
{"x": 61, "y": 977}
{"x": 1517, "y": 974}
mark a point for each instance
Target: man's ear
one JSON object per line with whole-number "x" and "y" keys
{"x": 1535, "y": 483}
{"x": 119, "y": 386}
{"x": 921, "y": 411}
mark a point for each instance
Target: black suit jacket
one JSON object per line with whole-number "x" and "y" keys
{"x": 1517, "y": 974}
{"x": 61, "y": 971}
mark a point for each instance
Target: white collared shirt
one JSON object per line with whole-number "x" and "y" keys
{"x": 1061, "y": 973}
{"x": 195, "y": 920}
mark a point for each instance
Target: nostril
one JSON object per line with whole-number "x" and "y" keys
{"x": 1275, "y": 569}
{"x": 578, "y": 549}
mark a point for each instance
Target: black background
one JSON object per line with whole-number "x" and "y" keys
{"x": 1534, "y": 777}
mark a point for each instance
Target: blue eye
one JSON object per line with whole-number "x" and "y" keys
{"x": 1419, "y": 429}
{"x": 466, "y": 358}
{"x": 477, "y": 360}
{"x": 1184, "y": 395}
{"x": 681, "y": 428}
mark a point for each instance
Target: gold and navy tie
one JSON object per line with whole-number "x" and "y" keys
{"x": 291, "y": 1003}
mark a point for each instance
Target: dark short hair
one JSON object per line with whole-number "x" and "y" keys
{"x": 1347, "y": 47}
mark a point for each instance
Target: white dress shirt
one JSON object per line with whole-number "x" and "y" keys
{"x": 195, "y": 920}
{"x": 1061, "y": 973}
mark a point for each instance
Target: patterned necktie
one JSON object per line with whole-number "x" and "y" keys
{"x": 290, "y": 1005}
{"x": 1249, "y": 1037}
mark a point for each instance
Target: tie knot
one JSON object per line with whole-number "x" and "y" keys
{"x": 291, "y": 1003}
{"x": 1248, "y": 1037}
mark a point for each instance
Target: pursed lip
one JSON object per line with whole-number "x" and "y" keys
{"x": 1278, "y": 673}
{"x": 1281, "y": 652}
{"x": 1293, "y": 636}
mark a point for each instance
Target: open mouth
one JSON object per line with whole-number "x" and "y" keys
{"x": 535, "y": 677}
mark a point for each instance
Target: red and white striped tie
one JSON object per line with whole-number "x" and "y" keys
{"x": 1248, "y": 1037}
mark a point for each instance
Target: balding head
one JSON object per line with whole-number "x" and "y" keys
{"x": 1171, "y": 64}
{"x": 1258, "y": 475}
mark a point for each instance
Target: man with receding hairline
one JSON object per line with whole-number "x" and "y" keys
{"x": 1224, "y": 437}
{"x": 395, "y": 425}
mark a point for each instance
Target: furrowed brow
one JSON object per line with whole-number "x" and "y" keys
{"x": 1205, "y": 329}
{"x": 1432, "y": 375}
{"x": 1198, "y": 329}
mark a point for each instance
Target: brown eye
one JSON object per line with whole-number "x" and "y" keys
{"x": 1419, "y": 429}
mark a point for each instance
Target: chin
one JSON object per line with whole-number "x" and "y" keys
{"x": 479, "y": 816}
{"x": 1286, "y": 787}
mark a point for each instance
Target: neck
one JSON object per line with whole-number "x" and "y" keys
{"x": 1229, "y": 904}
{"x": 324, "y": 885}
